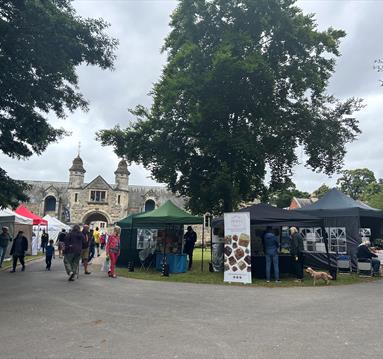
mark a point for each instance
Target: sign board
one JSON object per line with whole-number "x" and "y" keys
{"x": 237, "y": 252}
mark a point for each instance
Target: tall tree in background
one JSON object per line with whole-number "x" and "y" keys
{"x": 356, "y": 182}
{"x": 321, "y": 191}
{"x": 244, "y": 85}
{"x": 41, "y": 43}
{"x": 283, "y": 196}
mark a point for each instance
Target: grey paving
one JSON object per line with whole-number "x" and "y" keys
{"x": 44, "y": 316}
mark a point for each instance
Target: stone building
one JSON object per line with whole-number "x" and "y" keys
{"x": 98, "y": 202}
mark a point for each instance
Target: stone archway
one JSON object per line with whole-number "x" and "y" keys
{"x": 98, "y": 219}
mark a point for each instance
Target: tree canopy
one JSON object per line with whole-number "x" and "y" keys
{"x": 356, "y": 182}
{"x": 41, "y": 44}
{"x": 244, "y": 85}
{"x": 321, "y": 191}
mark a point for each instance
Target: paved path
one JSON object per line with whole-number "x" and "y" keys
{"x": 42, "y": 315}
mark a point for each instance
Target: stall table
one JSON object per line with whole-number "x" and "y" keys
{"x": 177, "y": 262}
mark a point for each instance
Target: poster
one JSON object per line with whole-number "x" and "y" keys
{"x": 237, "y": 252}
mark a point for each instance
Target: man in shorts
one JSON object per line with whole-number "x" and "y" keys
{"x": 85, "y": 248}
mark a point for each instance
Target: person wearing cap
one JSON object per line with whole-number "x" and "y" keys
{"x": 190, "y": 239}
{"x": 5, "y": 238}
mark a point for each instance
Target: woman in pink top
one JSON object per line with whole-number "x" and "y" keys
{"x": 113, "y": 250}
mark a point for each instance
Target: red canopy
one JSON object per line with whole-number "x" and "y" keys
{"x": 23, "y": 211}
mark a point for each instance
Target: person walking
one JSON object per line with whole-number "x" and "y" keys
{"x": 96, "y": 236}
{"x": 92, "y": 250}
{"x": 44, "y": 240}
{"x": 85, "y": 248}
{"x": 72, "y": 251}
{"x": 49, "y": 254}
{"x": 190, "y": 239}
{"x": 296, "y": 251}
{"x": 113, "y": 250}
{"x": 5, "y": 238}
{"x": 60, "y": 242}
{"x": 271, "y": 245}
{"x": 19, "y": 247}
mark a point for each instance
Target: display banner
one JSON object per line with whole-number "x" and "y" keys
{"x": 237, "y": 252}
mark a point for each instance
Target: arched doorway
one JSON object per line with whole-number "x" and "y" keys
{"x": 49, "y": 204}
{"x": 150, "y": 205}
{"x": 96, "y": 219}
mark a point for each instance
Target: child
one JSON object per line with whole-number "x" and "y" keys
{"x": 49, "y": 253}
{"x": 113, "y": 250}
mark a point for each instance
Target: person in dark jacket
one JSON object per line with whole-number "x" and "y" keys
{"x": 44, "y": 240}
{"x": 5, "y": 238}
{"x": 364, "y": 252}
{"x": 72, "y": 251}
{"x": 190, "y": 239}
{"x": 271, "y": 247}
{"x": 19, "y": 247}
{"x": 92, "y": 246}
{"x": 60, "y": 242}
{"x": 49, "y": 254}
{"x": 85, "y": 247}
{"x": 296, "y": 251}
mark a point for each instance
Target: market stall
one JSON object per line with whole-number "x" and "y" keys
{"x": 16, "y": 223}
{"x": 160, "y": 230}
{"x": 261, "y": 216}
{"x": 345, "y": 222}
{"x": 55, "y": 226}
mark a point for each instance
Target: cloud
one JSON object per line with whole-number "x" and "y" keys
{"x": 141, "y": 27}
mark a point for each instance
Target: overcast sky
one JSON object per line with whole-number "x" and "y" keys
{"x": 141, "y": 26}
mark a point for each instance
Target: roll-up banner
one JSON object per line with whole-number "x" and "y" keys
{"x": 237, "y": 260}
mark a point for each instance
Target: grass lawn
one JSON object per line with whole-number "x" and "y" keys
{"x": 196, "y": 276}
{"x": 8, "y": 264}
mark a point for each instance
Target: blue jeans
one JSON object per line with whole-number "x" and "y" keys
{"x": 2, "y": 254}
{"x": 274, "y": 258}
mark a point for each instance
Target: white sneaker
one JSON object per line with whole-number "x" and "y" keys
{"x": 267, "y": 281}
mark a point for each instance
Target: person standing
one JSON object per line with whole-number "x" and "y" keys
{"x": 60, "y": 242}
{"x": 96, "y": 236}
{"x": 5, "y": 238}
{"x": 19, "y": 247}
{"x": 49, "y": 253}
{"x": 271, "y": 245}
{"x": 296, "y": 251}
{"x": 85, "y": 248}
{"x": 72, "y": 251}
{"x": 44, "y": 240}
{"x": 190, "y": 239}
{"x": 113, "y": 250}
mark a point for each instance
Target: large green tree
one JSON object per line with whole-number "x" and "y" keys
{"x": 321, "y": 191}
{"x": 283, "y": 196}
{"x": 41, "y": 43}
{"x": 244, "y": 86}
{"x": 357, "y": 183}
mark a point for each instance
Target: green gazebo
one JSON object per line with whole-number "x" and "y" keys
{"x": 165, "y": 217}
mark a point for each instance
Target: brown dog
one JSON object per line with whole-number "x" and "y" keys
{"x": 318, "y": 275}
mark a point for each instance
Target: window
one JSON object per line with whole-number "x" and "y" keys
{"x": 76, "y": 197}
{"x": 97, "y": 196}
{"x": 102, "y": 224}
{"x": 50, "y": 204}
{"x": 119, "y": 199}
{"x": 149, "y": 205}
{"x": 314, "y": 241}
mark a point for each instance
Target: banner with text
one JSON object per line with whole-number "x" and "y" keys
{"x": 237, "y": 258}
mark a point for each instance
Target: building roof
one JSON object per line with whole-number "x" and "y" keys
{"x": 77, "y": 165}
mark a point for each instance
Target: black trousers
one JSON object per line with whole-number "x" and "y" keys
{"x": 298, "y": 266}
{"x": 48, "y": 261}
{"x": 21, "y": 259}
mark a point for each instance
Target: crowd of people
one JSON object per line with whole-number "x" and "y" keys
{"x": 77, "y": 244}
